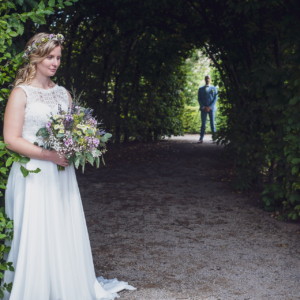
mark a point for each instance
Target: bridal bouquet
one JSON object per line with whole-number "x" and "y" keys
{"x": 75, "y": 134}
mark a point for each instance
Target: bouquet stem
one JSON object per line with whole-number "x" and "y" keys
{"x": 60, "y": 168}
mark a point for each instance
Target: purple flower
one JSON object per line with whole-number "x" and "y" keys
{"x": 67, "y": 143}
{"x": 51, "y": 36}
{"x": 48, "y": 125}
{"x": 96, "y": 142}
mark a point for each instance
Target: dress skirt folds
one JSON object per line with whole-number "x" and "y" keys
{"x": 51, "y": 250}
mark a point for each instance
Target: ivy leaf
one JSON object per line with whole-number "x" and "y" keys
{"x": 24, "y": 160}
{"x": 9, "y": 161}
{"x": 2, "y": 153}
{"x": 295, "y": 170}
{"x": 11, "y": 5}
{"x": 20, "y": 29}
{"x": 41, "y": 5}
{"x": 24, "y": 171}
{"x": 51, "y": 3}
{"x": 3, "y": 170}
{"x": 23, "y": 18}
{"x": 13, "y": 33}
{"x": 294, "y": 101}
{"x": 295, "y": 161}
{"x": 37, "y": 170}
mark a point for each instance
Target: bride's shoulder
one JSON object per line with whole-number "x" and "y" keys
{"x": 18, "y": 90}
{"x": 18, "y": 96}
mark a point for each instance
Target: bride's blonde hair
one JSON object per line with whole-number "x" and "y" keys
{"x": 28, "y": 71}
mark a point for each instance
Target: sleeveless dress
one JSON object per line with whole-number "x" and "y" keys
{"x": 51, "y": 251}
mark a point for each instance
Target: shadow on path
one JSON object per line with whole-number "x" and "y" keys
{"x": 162, "y": 217}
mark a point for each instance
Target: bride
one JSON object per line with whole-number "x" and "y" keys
{"x": 51, "y": 250}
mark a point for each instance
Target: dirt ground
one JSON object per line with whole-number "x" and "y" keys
{"x": 163, "y": 217}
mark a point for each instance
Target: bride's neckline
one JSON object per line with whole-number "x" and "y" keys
{"x": 37, "y": 87}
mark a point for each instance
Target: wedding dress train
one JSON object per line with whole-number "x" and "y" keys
{"x": 51, "y": 250}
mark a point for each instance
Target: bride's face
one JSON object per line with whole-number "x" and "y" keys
{"x": 50, "y": 64}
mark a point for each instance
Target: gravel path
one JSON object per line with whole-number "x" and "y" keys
{"x": 163, "y": 217}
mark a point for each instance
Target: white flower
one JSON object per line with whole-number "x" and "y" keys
{"x": 61, "y": 126}
{"x": 55, "y": 117}
{"x": 56, "y": 126}
{"x": 61, "y": 131}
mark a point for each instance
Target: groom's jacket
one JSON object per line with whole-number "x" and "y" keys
{"x": 208, "y": 97}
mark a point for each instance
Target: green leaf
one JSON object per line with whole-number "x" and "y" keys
{"x": 51, "y": 3}
{"x": 41, "y": 5}
{"x": 13, "y": 34}
{"x": 77, "y": 161}
{"x": 294, "y": 101}
{"x": 71, "y": 159}
{"x": 9, "y": 225}
{"x": 11, "y": 5}
{"x": 24, "y": 171}
{"x": 9, "y": 161}
{"x": 23, "y": 18}
{"x": 294, "y": 197}
{"x": 37, "y": 170}
{"x": 90, "y": 131}
{"x": 97, "y": 162}
{"x": 20, "y": 30}
{"x": 67, "y": 3}
{"x": 3, "y": 170}
{"x": 2, "y": 236}
{"x": 90, "y": 158}
{"x": 108, "y": 135}
{"x": 60, "y": 135}
{"x": 295, "y": 161}
{"x": 24, "y": 160}
{"x": 295, "y": 170}
{"x": 14, "y": 154}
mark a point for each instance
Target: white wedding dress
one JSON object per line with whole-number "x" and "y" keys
{"x": 51, "y": 251}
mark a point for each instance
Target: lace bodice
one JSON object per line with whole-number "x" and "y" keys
{"x": 40, "y": 104}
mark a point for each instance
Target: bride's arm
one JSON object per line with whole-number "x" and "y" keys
{"x": 13, "y": 125}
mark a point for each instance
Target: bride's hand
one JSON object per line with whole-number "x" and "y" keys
{"x": 54, "y": 157}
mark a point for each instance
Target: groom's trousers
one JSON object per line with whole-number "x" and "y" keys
{"x": 212, "y": 115}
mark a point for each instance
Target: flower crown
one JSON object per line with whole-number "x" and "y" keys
{"x": 35, "y": 45}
